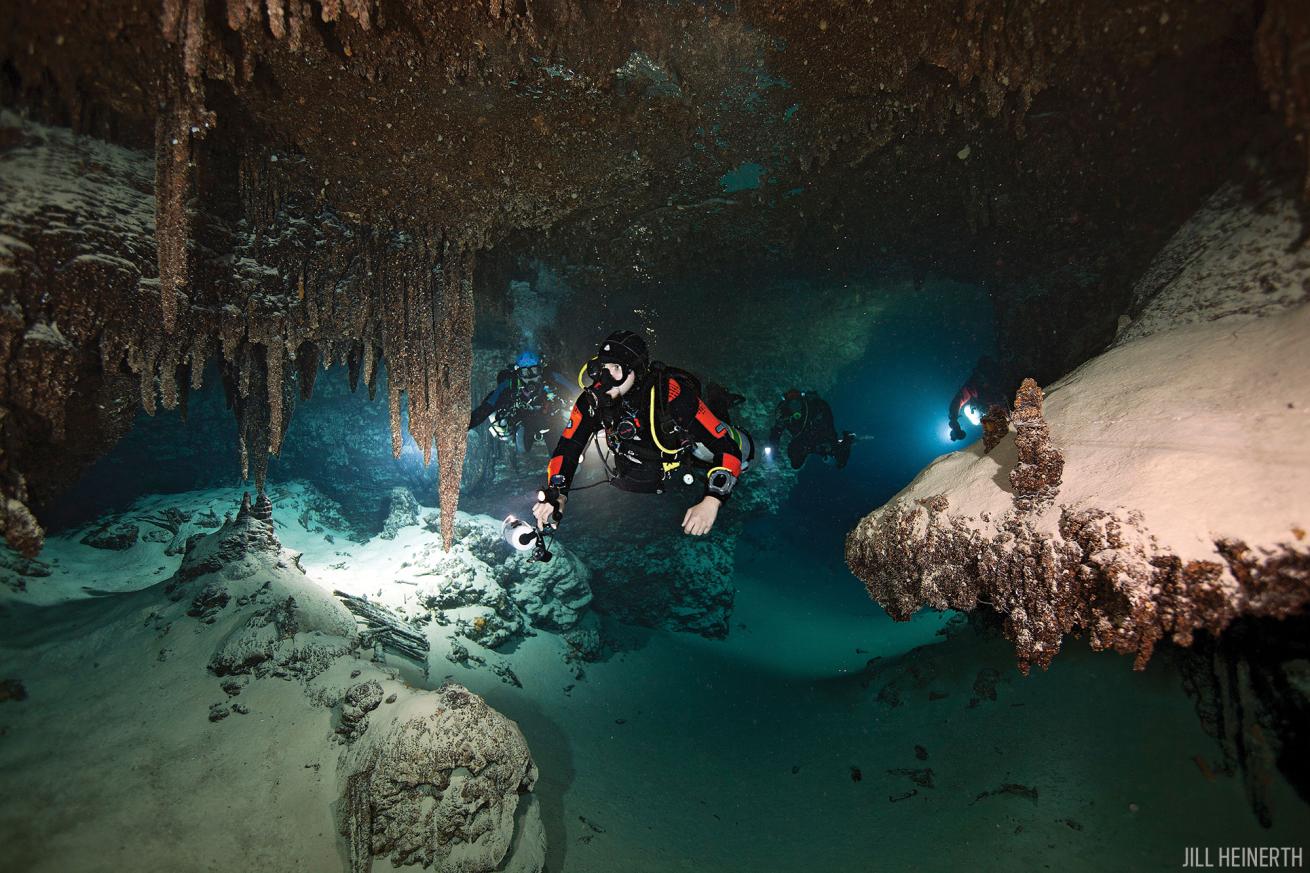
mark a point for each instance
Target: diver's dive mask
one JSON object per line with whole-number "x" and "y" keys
{"x": 599, "y": 379}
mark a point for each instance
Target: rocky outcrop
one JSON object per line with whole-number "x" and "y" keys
{"x": 496, "y": 593}
{"x": 431, "y": 777}
{"x": 1158, "y": 491}
{"x": 447, "y": 787}
{"x": 553, "y": 594}
{"x": 672, "y": 581}
{"x": 403, "y": 512}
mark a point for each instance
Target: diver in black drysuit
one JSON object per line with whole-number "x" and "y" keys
{"x": 657, "y": 425}
{"x": 807, "y": 417}
{"x": 523, "y": 407}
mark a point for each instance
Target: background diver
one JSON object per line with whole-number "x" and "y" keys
{"x": 523, "y": 407}
{"x": 658, "y": 423}
{"x": 985, "y": 388}
{"x": 807, "y": 417}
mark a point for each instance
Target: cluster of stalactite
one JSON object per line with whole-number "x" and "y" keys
{"x": 419, "y": 314}
{"x": 82, "y": 321}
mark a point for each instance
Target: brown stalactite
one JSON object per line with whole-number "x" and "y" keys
{"x": 454, "y": 359}
{"x": 308, "y": 359}
{"x": 274, "y": 356}
{"x": 172, "y": 156}
{"x": 181, "y": 122}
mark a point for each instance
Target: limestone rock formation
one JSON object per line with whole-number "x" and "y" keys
{"x": 447, "y": 787}
{"x": 403, "y": 512}
{"x": 682, "y": 584}
{"x": 553, "y": 594}
{"x": 240, "y": 654}
{"x": 1159, "y": 490}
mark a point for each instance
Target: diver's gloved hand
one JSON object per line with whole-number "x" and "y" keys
{"x": 957, "y": 432}
{"x": 700, "y": 518}
{"x": 544, "y": 511}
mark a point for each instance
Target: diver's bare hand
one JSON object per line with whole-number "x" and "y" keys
{"x": 700, "y": 518}
{"x": 543, "y": 511}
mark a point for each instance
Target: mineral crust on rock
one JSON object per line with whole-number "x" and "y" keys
{"x": 1161, "y": 489}
{"x": 238, "y": 658}
{"x": 447, "y": 787}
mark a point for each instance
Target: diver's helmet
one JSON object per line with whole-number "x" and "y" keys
{"x": 529, "y": 366}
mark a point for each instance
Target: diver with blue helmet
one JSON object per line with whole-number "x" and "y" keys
{"x": 523, "y": 407}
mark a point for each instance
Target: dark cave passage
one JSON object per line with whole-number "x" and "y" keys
{"x": 642, "y": 437}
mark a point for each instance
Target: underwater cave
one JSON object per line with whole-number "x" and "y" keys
{"x": 600, "y": 437}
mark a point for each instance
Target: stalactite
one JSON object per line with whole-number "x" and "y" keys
{"x": 308, "y": 358}
{"x": 168, "y": 389}
{"x": 360, "y": 10}
{"x": 274, "y": 356}
{"x": 454, "y": 360}
{"x": 371, "y": 358}
{"x": 200, "y": 350}
{"x": 182, "y": 121}
{"x": 248, "y": 383}
{"x": 172, "y": 225}
{"x": 277, "y": 22}
{"x": 354, "y": 362}
{"x": 241, "y": 13}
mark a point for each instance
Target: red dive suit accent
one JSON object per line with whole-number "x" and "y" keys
{"x": 684, "y": 407}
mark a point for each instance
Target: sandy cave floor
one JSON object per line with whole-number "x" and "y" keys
{"x": 679, "y": 753}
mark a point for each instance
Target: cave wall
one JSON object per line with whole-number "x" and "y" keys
{"x": 324, "y": 182}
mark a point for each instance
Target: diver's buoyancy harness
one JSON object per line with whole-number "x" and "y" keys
{"x": 679, "y": 451}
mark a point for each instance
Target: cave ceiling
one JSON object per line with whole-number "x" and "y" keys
{"x": 349, "y": 180}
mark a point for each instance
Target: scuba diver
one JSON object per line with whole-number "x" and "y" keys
{"x": 523, "y": 407}
{"x": 985, "y": 388}
{"x": 807, "y": 417}
{"x": 657, "y": 423}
